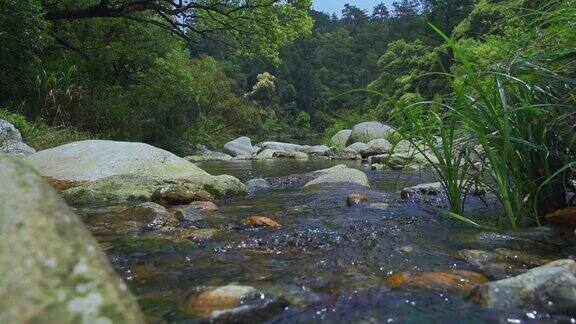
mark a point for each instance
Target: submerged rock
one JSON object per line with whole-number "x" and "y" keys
{"x": 356, "y": 199}
{"x": 242, "y": 146}
{"x": 234, "y": 304}
{"x": 205, "y": 206}
{"x": 51, "y": 269}
{"x": 455, "y": 281}
{"x": 550, "y": 288}
{"x": 179, "y": 195}
{"x": 341, "y": 138}
{"x": 501, "y": 263}
{"x": 256, "y": 185}
{"x": 367, "y": 131}
{"x": 260, "y": 221}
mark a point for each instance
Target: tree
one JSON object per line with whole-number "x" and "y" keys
{"x": 380, "y": 12}
{"x": 251, "y": 25}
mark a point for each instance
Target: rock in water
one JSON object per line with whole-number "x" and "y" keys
{"x": 279, "y": 146}
{"x": 255, "y": 185}
{"x": 367, "y": 131}
{"x": 550, "y": 288}
{"x": 11, "y": 141}
{"x": 202, "y": 154}
{"x": 260, "y": 221}
{"x": 359, "y": 147}
{"x": 341, "y": 138}
{"x": 51, "y": 269}
{"x": 242, "y": 146}
{"x": 234, "y": 304}
{"x": 122, "y": 171}
{"x": 355, "y": 199}
{"x": 339, "y": 174}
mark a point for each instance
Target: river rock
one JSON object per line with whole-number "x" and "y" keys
{"x": 51, "y": 269}
{"x": 347, "y": 154}
{"x": 11, "y": 141}
{"x": 205, "y": 206}
{"x": 260, "y": 221}
{"x": 279, "y": 146}
{"x": 433, "y": 189}
{"x": 203, "y": 154}
{"x": 550, "y": 288}
{"x": 355, "y": 199}
{"x": 367, "y": 131}
{"x": 341, "y": 138}
{"x": 255, "y": 185}
{"x": 242, "y": 146}
{"x": 359, "y": 147}
{"x": 179, "y": 195}
{"x": 317, "y": 150}
{"x": 563, "y": 218}
{"x": 501, "y": 263}
{"x": 454, "y": 281}
{"x": 338, "y": 174}
{"x": 298, "y": 156}
{"x": 109, "y": 171}
{"x": 234, "y": 304}
{"x": 377, "y": 146}
{"x": 266, "y": 154}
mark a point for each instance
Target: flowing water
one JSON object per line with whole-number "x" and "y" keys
{"x": 328, "y": 260}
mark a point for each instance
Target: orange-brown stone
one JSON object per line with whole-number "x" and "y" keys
{"x": 260, "y": 221}
{"x": 564, "y": 217}
{"x": 356, "y": 199}
{"x": 456, "y": 281}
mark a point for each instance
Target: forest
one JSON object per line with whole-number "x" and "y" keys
{"x": 455, "y": 176}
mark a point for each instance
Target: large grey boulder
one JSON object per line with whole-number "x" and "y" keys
{"x": 341, "y": 138}
{"x": 347, "y": 154}
{"x": 367, "y": 131}
{"x": 51, "y": 269}
{"x": 11, "y": 141}
{"x": 550, "y": 288}
{"x": 338, "y": 174}
{"x": 242, "y": 146}
{"x": 123, "y": 171}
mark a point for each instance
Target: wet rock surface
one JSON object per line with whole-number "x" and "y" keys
{"x": 327, "y": 262}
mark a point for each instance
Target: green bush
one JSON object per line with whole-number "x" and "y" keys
{"x": 39, "y": 135}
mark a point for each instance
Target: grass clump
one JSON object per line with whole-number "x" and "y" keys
{"x": 41, "y": 136}
{"x": 508, "y": 129}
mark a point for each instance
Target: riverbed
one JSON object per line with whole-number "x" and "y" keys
{"x": 328, "y": 261}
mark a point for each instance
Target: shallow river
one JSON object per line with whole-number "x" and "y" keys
{"x": 328, "y": 260}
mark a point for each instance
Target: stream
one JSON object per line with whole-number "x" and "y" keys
{"x": 327, "y": 260}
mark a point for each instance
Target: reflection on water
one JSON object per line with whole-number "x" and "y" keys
{"x": 330, "y": 261}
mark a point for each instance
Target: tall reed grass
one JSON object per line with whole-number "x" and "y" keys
{"x": 508, "y": 130}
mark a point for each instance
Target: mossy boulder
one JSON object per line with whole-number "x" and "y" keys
{"x": 109, "y": 171}
{"x": 51, "y": 269}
